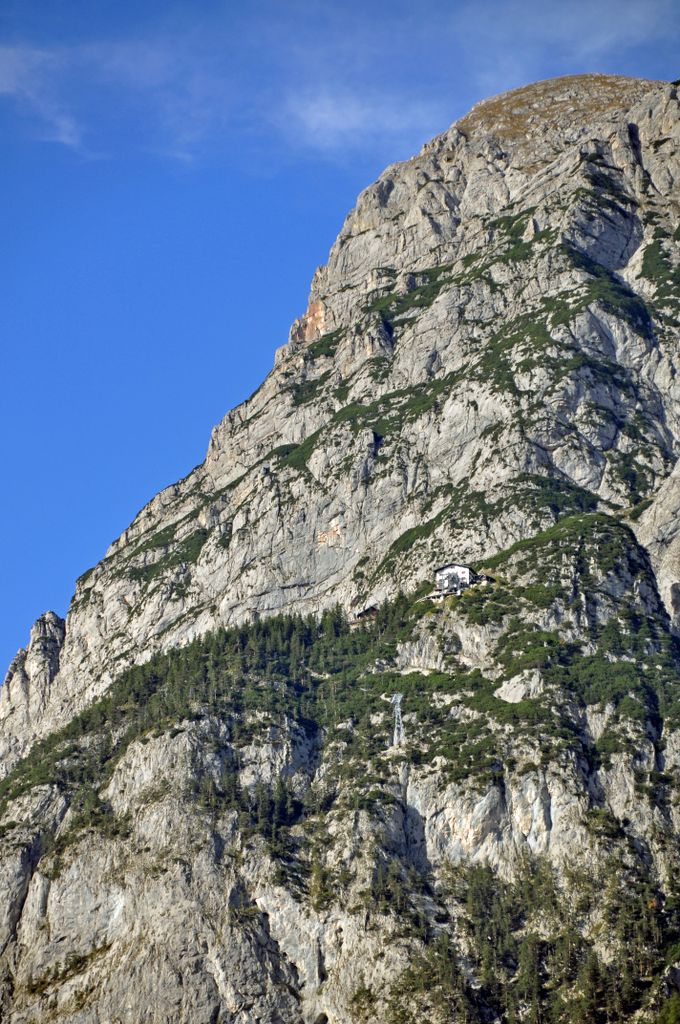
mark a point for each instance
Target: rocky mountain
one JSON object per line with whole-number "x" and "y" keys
{"x": 205, "y": 816}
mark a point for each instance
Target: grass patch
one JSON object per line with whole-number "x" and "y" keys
{"x": 326, "y": 346}
{"x": 186, "y": 552}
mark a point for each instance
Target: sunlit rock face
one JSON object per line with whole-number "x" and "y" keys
{"x": 486, "y": 373}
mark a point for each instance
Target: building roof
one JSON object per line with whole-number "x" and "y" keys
{"x": 453, "y": 565}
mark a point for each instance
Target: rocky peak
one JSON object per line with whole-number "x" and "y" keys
{"x": 476, "y": 168}
{"x": 26, "y": 690}
{"x": 555, "y": 112}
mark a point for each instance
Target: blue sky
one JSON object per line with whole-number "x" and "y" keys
{"x": 171, "y": 175}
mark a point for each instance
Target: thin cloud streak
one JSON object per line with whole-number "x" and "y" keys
{"x": 329, "y": 121}
{"x": 27, "y": 76}
{"x": 313, "y": 80}
{"x": 187, "y": 97}
{"x": 516, "y": 40}
{"x": 172, "y": 96}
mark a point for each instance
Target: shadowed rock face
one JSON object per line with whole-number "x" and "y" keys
{"x": 488, "y": 357}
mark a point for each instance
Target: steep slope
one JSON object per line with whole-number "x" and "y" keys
{"x": 486, "y": 371}
{"x": 230, "y": 835}
{"x": 502, "y": 305}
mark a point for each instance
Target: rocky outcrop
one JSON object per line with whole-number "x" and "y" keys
{"x": 658, "y": 528}
{"x": 27, "y": 690}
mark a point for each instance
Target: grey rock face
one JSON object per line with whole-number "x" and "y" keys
{"x": 495, "y": 309}
{"x": 26, "y": 691}
{"x": 490, "y": 349}
{"x": 658, "y": 528}
{"x": 173, "y": 908}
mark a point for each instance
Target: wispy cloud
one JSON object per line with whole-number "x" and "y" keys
{"x": 186, "y": 95}
{"x": 27, "y": 76}
{"x": 171, "y": 99}
{"x": 585, "y": 29}
{"x": 331, "y": 120}
{"x": 310, "y": 78}
{"x": 516, "y": 40}
{"x": 183, "y": 92}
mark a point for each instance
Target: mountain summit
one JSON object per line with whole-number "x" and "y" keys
{"x": 274, "y": 766}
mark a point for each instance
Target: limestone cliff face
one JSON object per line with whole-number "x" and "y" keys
{"x": 221, "y": 842}
{"x": 27, "y": 688}
{"x": 486, "y": 372}
{"x": 499, "y": 306}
